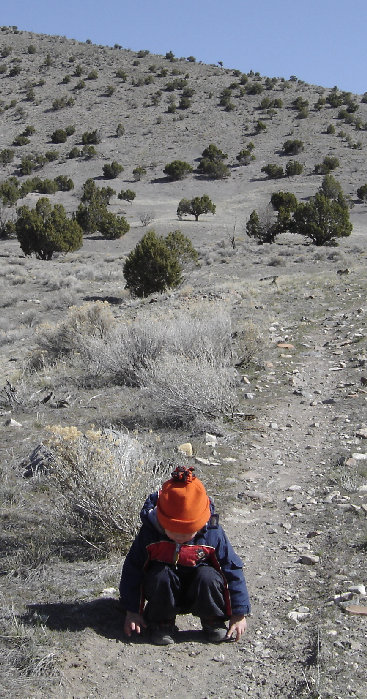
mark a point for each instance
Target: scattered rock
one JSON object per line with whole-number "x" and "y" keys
{"x": 356, "y": 609}
{"x": 185, "y": 449}
{"x": 108, "y": 592}
{"x": 362, "y": 433}
{"x": 210, "y": 440}
{"x": 200, "y": 460}
{"x": 285, "y": 345}
{"x": 299, "y": 615}
{"x": 344, "y": 597}
{"x": 12, "y": 423}
{"x": 357, "y": 589}
{"x": 309, "y": 559}
{"x": 312, "y": 534}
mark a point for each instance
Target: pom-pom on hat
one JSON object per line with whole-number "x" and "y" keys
{"x": 183, "y": 504}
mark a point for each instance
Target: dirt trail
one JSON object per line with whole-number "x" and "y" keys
{"x": 311, "y": 405}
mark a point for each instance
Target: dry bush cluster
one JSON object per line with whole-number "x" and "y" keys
{"x": 181, "y": 363}
{"x": 101, "y": 478}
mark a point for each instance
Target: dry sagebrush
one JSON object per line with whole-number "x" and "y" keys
{"x": 102, "y": 477}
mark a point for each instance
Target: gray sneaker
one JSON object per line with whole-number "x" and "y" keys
{"x": 214, "y": 631}
{"x": 162, "y": 634}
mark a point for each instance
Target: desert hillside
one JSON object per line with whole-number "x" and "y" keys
{"x": 252, "y": 369}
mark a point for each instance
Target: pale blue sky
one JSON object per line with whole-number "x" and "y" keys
{"x": 320, "y": 41}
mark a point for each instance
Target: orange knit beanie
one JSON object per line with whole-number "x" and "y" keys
{"x": 183, "y": 505}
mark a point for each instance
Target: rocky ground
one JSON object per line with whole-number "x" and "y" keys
{"x": 291, "y": 486}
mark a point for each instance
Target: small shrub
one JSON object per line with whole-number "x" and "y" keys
{"x": 293, "y": 147}
{"x": 59, "y": 136}
{"x": 330, "y": 129}
{"x": 31, "y": 49}
{"x": 254, "y": 88}
{"x": 177, "y": 170}
{"x": 262, "y": 228}
{"x": 273, "y": 171}
{"x": 62, "y": 103}
{"x": 293, "y": 167}
{"x": 112, "y": 170}
{"x": 110, "y": 89}
{"x": 300, "y": 103}
{"x": 92, "y": 75}
{"x": 47, "y": 187}
{"x": 151, "y": 267}
{"x": 64, "y": 183}
{"x": 88, "y": 152}
{"x": 80, "y": 85}
{"x": 329, "y": 163}
{"x": 127, "y": 195}
{"x": 100, "y": 478}
{"x": 75, "y": 153}
{"x": 111, "y": 226}
{"x": 6, "y": 156}
{"x": 13, "y": 72}
{"x": 139, "y": 172}
{"x": 335, "y": 99}
{"x": 362, "y": 193}
{"x": 91, "y": 138}
{"x": 245, "y": 156}
{"x": 120, "y": 130}
{"x": 51, "y": 155}
{"x": 211, "y": 163}
{"x": 9, "y": 191}
{"x": 260, "y": 126}
{"x": 120, "y": 73}
{"x": 21, "y": 140}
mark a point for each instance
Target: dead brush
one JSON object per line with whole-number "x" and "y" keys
{"x": 179, "y": 389}
{"x": 27, "y": 655}
{"x": 101, "y": 477}
{"x": 123, "y": 354}
{"x": 93, "y": 319}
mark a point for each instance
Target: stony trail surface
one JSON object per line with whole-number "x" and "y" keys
{"x": 292, "y": 498}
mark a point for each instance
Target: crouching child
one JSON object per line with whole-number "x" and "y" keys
{"x": 182, "y": 562}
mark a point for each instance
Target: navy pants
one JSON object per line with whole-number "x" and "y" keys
{"x": 170, "y": 591}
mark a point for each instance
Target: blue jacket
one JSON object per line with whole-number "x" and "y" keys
{"x": 210, "y": 546}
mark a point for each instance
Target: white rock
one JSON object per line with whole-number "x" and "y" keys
{"x": 357, "y": 589}
{"x": 210, "y": 439}
{"x": 298, "y": 616}
{"x": 363, "y": 488}
{"x": 12, "y": 423}
{"x": 358, "y": 456}
{"x": 200, "y": 460}
{"x": 108, "y": 591}
{"x": 185, "y": 449}
{"x": 362, "y": 433}
{"x": 294, "y": 488}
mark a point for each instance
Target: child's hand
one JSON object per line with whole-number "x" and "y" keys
{"x": 237, "y": 626}
{"x": 133, "y": 622}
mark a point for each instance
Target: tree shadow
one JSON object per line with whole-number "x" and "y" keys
{"x": 104, "y": 615}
